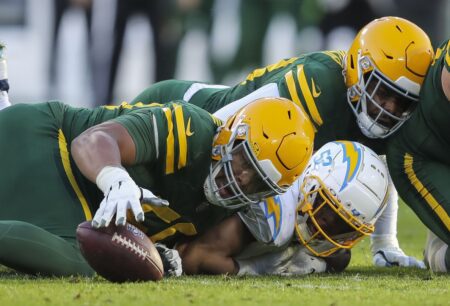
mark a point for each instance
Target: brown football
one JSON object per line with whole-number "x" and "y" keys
{"x": 120, "y": 253}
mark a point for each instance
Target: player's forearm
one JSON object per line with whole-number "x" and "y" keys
{"x": 202, "y": 260}
{"x": 445, "y": 79}
{"x": 94, "y": 150}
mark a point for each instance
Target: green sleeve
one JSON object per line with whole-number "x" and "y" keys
{"x": 140, "y": 124}
{"x": 316, "y": 84}
{"x": 175, "y": 133}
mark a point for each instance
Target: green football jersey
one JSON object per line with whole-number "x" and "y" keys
{"x": 173, "y": 156}
{"x": 313, "y": 81}
{"x": 418, "y": 154}
{"x": 426, "y": 132}
{"x": 173, "y": 167}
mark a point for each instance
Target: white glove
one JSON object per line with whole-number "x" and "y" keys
{"x": 171, "y": 260}
{"x": 387, "y": 253}
{"x": 121, "y": 193}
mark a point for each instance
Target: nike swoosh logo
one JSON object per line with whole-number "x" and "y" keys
{"x": 188, "y": 128}
{"x": 315, "y": 93}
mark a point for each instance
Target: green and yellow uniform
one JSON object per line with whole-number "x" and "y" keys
{"x": 419, "y": 153}
{"x": 313, "y": 81}
{"x": 43, "y": 195}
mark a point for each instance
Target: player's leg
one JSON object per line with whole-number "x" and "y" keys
{"x": 423, "y": 185}
{"x": 36, "y": 186}
{"x": 4, "y": 85}
{"x": 30, "y": 249}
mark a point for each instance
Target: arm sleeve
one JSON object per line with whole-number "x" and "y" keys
{"x": 146, "y": 132}
{"x": 385, "y": 234}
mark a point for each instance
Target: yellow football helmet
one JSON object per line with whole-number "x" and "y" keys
{"x": 389, "y": 57}
{"x": 259, "y": 152}
{"x": 343, "y": 192}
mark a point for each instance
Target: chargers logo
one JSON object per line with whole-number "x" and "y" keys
{"x": 324, "y": 159}
{"x": 352, "y": 158}
{"x": 272, "y": 211}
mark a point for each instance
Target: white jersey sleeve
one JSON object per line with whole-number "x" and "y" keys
{"x": 196, "y": 87}
{"x": 272, "y": 221}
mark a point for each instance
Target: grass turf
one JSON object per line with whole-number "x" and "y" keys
{"x": 360, "y": 284}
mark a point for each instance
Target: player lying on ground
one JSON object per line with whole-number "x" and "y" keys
{"x": 330, "y": 208}
{"x": 418, "y": 158}
{"x": 59, "y": 164}
{"x": 378, "y": 80}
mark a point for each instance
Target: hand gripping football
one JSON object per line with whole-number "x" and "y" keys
{"x": 120, "y": 253}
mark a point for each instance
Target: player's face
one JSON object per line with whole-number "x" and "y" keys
{"x": 388, "y": 100}
{"x": 244, "y": 174}
{"x": 330, "y": 222}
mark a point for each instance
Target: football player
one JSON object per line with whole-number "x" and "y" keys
{"x": 418, "y": 158}
{"x": 328, "y": 210}
{"x": 60, "y": 164}
{"x": 377, "y": 80}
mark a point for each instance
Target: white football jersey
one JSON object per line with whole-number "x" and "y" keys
{"x": 272, "y": 221}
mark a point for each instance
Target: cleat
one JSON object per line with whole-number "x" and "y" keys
{"x": 4, "y": 85}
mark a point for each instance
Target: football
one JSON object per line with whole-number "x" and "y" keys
{"x": 120, "y": 253}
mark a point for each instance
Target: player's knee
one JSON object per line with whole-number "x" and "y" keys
{"x": 8, "y": 226}
{"x": 338, "y": 261}
{"x": 437, "y": 254}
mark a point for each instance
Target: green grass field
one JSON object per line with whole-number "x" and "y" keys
{"x": 361, "y": 284}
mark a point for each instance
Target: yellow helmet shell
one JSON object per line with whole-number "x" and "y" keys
{"x": 279, "y": 131}
{"x": 397, "y": 47}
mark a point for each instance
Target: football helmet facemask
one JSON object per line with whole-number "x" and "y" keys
{"x": 343, "y": 191}
{"x": 387, "y": 60}
{"x": 259, "y": 152}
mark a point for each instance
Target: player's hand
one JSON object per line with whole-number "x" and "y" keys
{"x": 171, "y": 260}
{"x": 121, "y": 193}
{"x": 392, "y": 257}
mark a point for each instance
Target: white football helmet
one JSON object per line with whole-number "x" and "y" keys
{"x": 343, "y": 191}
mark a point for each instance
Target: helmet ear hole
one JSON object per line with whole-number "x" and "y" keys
{"x": 352, "y": 63}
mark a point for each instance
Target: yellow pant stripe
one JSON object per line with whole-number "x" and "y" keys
{"x": 187, "y": 229}
{"x": 68, "y": 170}
{"x": 170, "y": 146}
{"x": 428, "y": 197}
{"x": 306, "y": 91}
{"x": 164, "y": 213}
{"x": 447, "y": 56}
{"x": 182, "y": 141}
